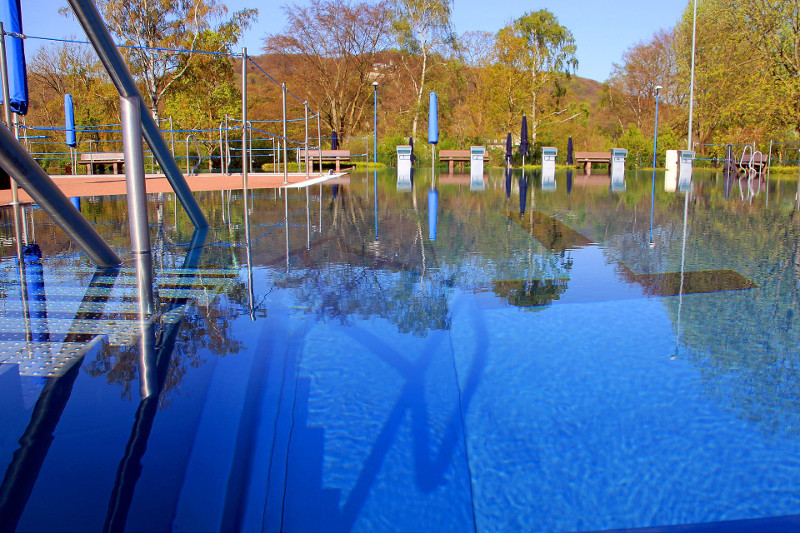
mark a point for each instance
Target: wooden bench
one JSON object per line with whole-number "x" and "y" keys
{"x": 457, "y": 156}
{"x": 587, "y": 158}
{"x": 92, "y": 159}
{"x": 327, "y": 155}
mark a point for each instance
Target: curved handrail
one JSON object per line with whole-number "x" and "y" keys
{"x": 191, "y": 171}
{"x": 753, "y": 159}
{"x": 742, "y": 160}
{"x": 223, "y": 168}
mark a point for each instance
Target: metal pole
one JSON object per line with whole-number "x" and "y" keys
{"x": 134, "y": 174}
{"x": 86, "y": 13}
{"x": 221, "y": 152}
{"x": 375, "y": 153}
{"x": 655, "y": 152}
{"x": 7, "y": 104}
{"x": 172, "y": 137}
{"x": 285, "y": 151}
{"x": 227, "y": 148}
{"x": 319, "y": 143}
{"x": 244, "y": 129}
{"x": 305, "y": 108}
{"x": 769, "y": 166}
{"x": 691, "y": 82}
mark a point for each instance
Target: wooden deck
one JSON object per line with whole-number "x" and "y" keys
{"x": 114, "y": 184}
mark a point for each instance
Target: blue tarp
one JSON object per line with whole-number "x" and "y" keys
{"x": 11, "y": 16}
{"x": 69, "y": 121}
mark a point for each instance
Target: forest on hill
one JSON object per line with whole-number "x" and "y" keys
{"x": 747, "y": 82}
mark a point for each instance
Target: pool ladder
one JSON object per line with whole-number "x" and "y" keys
{"x": 191, "y": 171}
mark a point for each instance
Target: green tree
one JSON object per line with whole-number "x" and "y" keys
{"x": 203, "y": 96}
{"x": 171, "y": 25}
{"x": 534, "y": 54}
{"x": 734, "y": 96}
{"x": 640, "y": 148}
{"x": 421, "y": 27}
{"x": 773, "y": 29}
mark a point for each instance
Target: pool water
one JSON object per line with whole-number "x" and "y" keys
{"x": 514, "y": 358}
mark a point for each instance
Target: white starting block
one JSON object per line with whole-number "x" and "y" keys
{"x": 404, "y": 167}
{"x": 671, "y": 175}
{"x": 549, "y": 155}
{"x": 476, "y": 155}
{"x": 685, "y": 167}
{"x": 618, "y": 156}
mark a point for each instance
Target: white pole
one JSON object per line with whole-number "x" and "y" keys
{"x": 691, "y": 82}
{"x": 245, "y": 154}
{"x": 305, "y": 106}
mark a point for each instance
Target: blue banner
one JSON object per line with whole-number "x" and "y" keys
{"x": 11, "y": 17}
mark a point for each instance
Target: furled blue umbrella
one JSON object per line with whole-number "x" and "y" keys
{"x": 569, "y": 181}
{"x": 69, "y": 121}
{"x": 433, "y": 120}
{"x": 11, "y": 17}
{"x": 523, "y": 194}
{"x": 523, "y": 139}
{"x": 433, "y": 134}
{"x": 730, "y": 164}
{"x": 509, "y": 149}
{"x": 334, "y": 140}
{"x": 37, "y": 301}
{"x": 508, "y": 182}
{"x": 569, "y": 151}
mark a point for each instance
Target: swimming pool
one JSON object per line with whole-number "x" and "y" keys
{"x": 520, "y": 358}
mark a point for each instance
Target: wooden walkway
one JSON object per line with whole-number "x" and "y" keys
{"x": 114, "y": 184}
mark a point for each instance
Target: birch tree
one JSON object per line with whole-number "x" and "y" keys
{"x": 535, "y": 53}
{"x": 422, "y": 27}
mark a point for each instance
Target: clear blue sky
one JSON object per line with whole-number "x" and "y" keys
{"x": 602, "y": 30}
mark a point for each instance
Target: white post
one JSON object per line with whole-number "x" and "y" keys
{"x": 245, "y": 154}
{"x": 305, "y": 106}
{"x": 285, "y": 149}
{"x": 691, "y": 78}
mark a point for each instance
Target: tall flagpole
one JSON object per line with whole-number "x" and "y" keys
{"x": 691, "y": 82}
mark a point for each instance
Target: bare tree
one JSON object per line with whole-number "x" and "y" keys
{"x": 337, "y": 46}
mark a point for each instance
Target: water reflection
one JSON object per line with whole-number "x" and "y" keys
{"x": 396, "y": 369}
{"x": 155, "y": 355}
{"x": 23, "y": 471}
